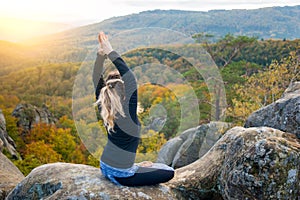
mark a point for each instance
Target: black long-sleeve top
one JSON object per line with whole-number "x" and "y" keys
{"x": 120, "y": 150}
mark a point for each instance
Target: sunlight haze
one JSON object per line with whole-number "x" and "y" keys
{"x": 66, "y": 14}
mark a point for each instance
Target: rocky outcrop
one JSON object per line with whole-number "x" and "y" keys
{"x": 28, "y": 115}
{"x": 74, "y": 181}
{"x": 6, "y": 141}
{"x": 1, "y": 146}
{"x": 268, "y": 169}
{"x": 253, "y": 163}
{"x": 10, "y": 176}
{"x": 284, "y": 114}
{"x": 192, "y": 144}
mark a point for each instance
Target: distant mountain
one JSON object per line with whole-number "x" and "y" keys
{"x": 265, "y": 23}
{"x": 274, "y": 22}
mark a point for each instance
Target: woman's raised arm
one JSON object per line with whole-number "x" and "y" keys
{"x": 98, "y": 79}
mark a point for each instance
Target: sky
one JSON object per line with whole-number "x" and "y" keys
{"x": 90, "y": 11}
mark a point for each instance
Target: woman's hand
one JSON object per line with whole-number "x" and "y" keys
{"x": 145, "y": 164}
{"x": 104, "y": 43}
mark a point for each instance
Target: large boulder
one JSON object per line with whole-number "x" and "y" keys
{"x": 284, "y": 114}
{"x": 29, "y": 115}
{"x": 254, "y": 163}
{"x": 1, "y": 145}
{"x": 10, "y": 176}
{"x": 75, "y": 181}
{"x": 6, "y": 142}
{"x": 267, "y": 169}
{"x": 192, "y": 144}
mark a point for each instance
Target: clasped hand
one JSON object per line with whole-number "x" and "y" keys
{"x": 104, "y": 45}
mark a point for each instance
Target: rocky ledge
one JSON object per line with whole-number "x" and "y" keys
{"x": 246, "y": 163}
{"x": 6, "y": 142}
{"x": 283, "y": 114}
{"x": 10, "y": 176}
{"x": 29, "y": 115}
{"x": 191, "y": 144}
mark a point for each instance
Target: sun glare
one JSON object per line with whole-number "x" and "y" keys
{"x": 17, "y": 30}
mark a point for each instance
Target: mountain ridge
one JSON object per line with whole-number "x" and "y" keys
{"x": 263, "y": 23}
{"x": 268, "y": 22}
{"x": 282, "y": 23}
{"x": 183, "y": 20}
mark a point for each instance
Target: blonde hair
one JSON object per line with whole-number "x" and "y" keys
{"x": 110, "y": 100}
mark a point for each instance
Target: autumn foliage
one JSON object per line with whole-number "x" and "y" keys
{"x": 255, "y": 73}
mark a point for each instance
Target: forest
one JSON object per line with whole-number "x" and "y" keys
{"x": 254, "y": 72}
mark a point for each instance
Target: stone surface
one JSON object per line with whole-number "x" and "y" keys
{"x": 74, "y": 181}
{"x": 1, "y": 145}
{"x": 284, "y": 114}
{"x": 28, "y": 115}
{"x": 245, "y": 163}
{"x": 6, "y": 141}
{"x": 192, "y": 144}
{"x": 268, "y": 168}
{"x": 253, "y": 163}
{"x": 10, "y": 176}
{"x": 169, "y": 150}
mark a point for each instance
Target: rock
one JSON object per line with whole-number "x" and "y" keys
{"x": 28, "y": 115}
{"x": 267, "y": 169}
{"x": 245, "y": 163}
{"x": 284, "y": 114}
{"x": 169, "y": 150}
{"x": 192, "y": 144}
{"x": 6, "y": 142}
{"x": 10, "y": 176}
{"x": 1, "y": 146}
{"x": 75, "y": 181}
{"x": 253, "y": 163}
{"x": 293, "y": 89}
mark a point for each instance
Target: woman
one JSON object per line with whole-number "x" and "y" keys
{"x": 117, "y": 102}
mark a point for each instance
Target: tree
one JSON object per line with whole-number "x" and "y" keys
{"x": 264, "y": 88}
{"x": 150, "y": 144}
{"x": 229, "y": 47}
{"x": 225, "y": 49}
{"x": 222, "y": 52}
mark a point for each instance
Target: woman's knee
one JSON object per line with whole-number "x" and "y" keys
{"x": 169, "y": 174}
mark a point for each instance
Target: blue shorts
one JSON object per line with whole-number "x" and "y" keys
{"x": 112, "y": 172}
{"x": 158, "y": 169}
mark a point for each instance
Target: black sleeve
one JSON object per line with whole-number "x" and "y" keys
{"x": 129, "y": 82}
{"x": 119, "y": 63}
{"x": 98, "y": 79}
